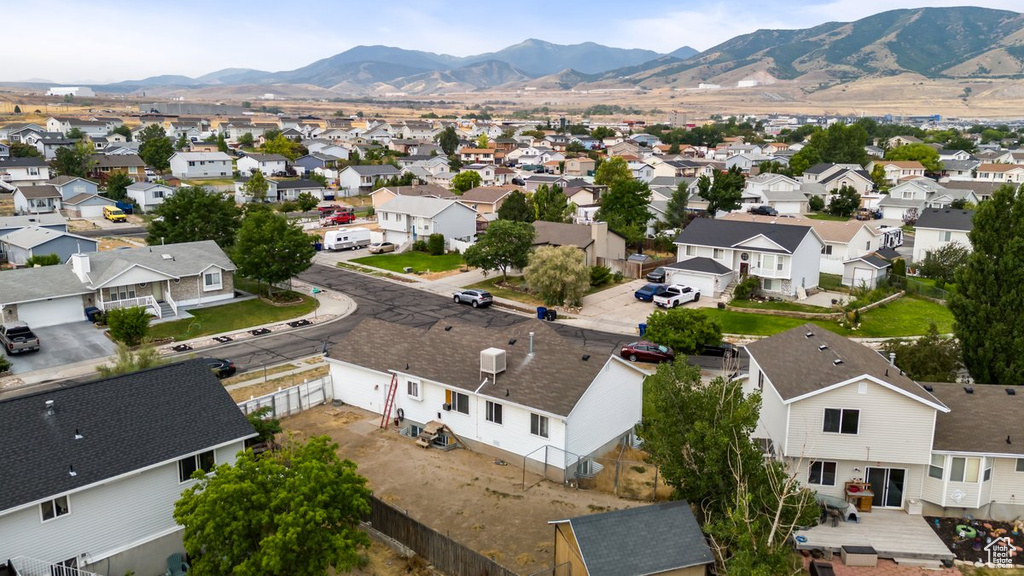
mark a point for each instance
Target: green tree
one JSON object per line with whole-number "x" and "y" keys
{"x": 131, "y": 361}
{"x": 270, "y": 249}
{"x": 155, "y": 147}
{"x": 816, "y": 203}
{"x": 685, "y": 330}
{"x": 613, "y": 170}
{"x": 506, "y": 244}
{"x": 306, "y": 202}
{"x": 266, "y": 426}
{"x": 943, "y": 263}
{"x": 724, "y": 193}
{"x": 602, "y": 132}
{"x": 22, "y": 150}
{"x": 194, "y": 214}
{"x": 17, "y": 109}
{"x": 878, "y": 177}
{"x": 293, "y": 512}
{"x": 318, "y": 178}
{"x": 75, "y": 134}
{"x": 246, "y": 104}
{"x": 43, "y": 260}
{"x": 182, "y": 142}
{"x": 128, "y": 325}
{"x": 960, "y": 142}
{"x": 986, "y": 305}
{"x": 676, "y": 214}
{"x": 482, "y": 141}
{"x": 559, "y": 274}
{"x": 448, "y": 140}
{"x": 838, "y": 143}
{"x": 844, "y": 202}
{"x": 550, "y": 204}
{"x": 246, "y": 140}
{"x": 74, "y": 160}
{"x": 624, "y": 208}
{"x": 279, "y": 144}
{"x": 516, "y": 208}
{"x": 256, "y": 186}
{"x": 117, "y": 186}
{"x": 923, "y": 153}
{"x": 465, "y": 180}
{"x": 222, "y": 143}
{"x": 930, "y": 358}
{"x": 435, "y": 244}
{"x": 123, "y": 131}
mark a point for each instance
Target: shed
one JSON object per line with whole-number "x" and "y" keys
{"x": 865, "y": 271}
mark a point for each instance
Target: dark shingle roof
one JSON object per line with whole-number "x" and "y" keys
{"x": 946, "y": 219}
{"x": 552, "y": 380}
{"x": 42, "y": 191}
{"x": 298, "y": 184}
{"x": 562, "y": 234}
{"x": 872, "y": 259}
{"x": 127, "y": 423}
{"x": 376, "y": 170}
{"x": 26, "y": 161}
{"x": 726, "y": 234}
{"x": 706, "y": 265}
{"x": 643, "y": 540}
{"x": 989, "y": 413}
{"x": 816, "y": 369}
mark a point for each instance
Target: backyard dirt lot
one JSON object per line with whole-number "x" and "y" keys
{"x": 460, "y": 493}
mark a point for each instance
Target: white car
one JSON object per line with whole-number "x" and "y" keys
{"x": 675, "y": 295}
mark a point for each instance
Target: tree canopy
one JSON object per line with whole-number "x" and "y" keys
{"x": 194, "y": 214}
{"x": 676, "y": 215}
{"x": 612, "y": 170}
{"x": 516, "y": 208}
{"x": 505, "y": 245}
{"x": 624, "y": 208}
{"x": 270, "y": 249}
{"x": 280, "y": 144}
{"x": 117, "y": 186}
{"x": 724, "y": 193}
{"x": 256, "y": 186}
{"x": 559, "y": 274}
{"x": 839, "y": 143}
{"x": 930, "y": 358}
{"x": 923, "y": 153}
{"x": 550, "y": 204}
{"x": 466, "y": 180}
{"x": 73, "y": 160}
{"x": 448, "y": 140}
{"x": 685, "y": 330}
{"x": 155, "y": 147}
{"x": 293, "y": 512}
{"x": 943, "y": 262}
{"x": 844, "y": 202}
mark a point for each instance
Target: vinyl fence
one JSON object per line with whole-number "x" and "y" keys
{"x": 289, "y": 401}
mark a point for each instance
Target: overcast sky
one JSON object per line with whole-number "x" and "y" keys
{"x": 71, "y": 41}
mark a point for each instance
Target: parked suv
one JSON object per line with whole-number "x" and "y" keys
{"x": 657, "y": 275}
{"x": 340, "y": 218}
{"x": 764, "y": 211}
{"x": 476, "y": 298}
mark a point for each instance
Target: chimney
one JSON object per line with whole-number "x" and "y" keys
{"x": 531, "y": 343}
{"x": 80, "y": 266}
{"x": 599, "y": 234}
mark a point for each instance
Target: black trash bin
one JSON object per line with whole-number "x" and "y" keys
{"x": 551, "y": 315}
{"x": 93, "y": 313}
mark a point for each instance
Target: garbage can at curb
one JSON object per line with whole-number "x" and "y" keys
{"x": 542, "y": 312}
{"x": 643, "y": 329}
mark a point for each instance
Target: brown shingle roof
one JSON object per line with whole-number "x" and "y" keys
{"x": 990, "y": 414}
{"x": 830, "y": 231}
{"x": 45, "y": 191}
{"x": 487, "y": 194}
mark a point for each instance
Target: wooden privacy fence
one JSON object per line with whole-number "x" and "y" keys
{"x": 289, "y": 401}
{"x": 447, "y": 555}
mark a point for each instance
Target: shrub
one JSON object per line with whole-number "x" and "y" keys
{"x": 128, "y": 325}
{"x": 370, "y": 212}
{"x": 600, "y": 275}
{"x": 419, "y": 246}
{"x": 618, "y": 277}
{"x": 816, "y": 203}
{"x": 435, "y": 244}
{"x": 5, "y": 364}
{"x": 747, "y": 288}
{"x": 899, "y": 267}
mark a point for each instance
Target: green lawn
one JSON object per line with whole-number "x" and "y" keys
{"x": 209, "y": 182}
{"x": 418, "y": 261}
{"x": 823, "y": 216}
{"x": 499, "y": 292}
{"x": 789, "y": 306}
{"x": 752, "y": 324}
{"x": 229, "y": 318}
{"x": 832, "y": 283}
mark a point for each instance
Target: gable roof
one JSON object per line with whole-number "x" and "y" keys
{"x": 422, "y": 206}
{"x": 33, "y": 284}
{"x": 873, "y": 260}
{"x": 552, "y": 380}
{"x": 418, "y": 190}
{"x": 946, "y": 219}
{"x": 62, "y": 180}
{"x": 27, "y": 161}
{"x": 43, "y": 191}
{"x": 203, "y": 156}
{"x": 816, "y": 370}
{"x": 375, "y": 170}
{"x": 487, "y": 194}
{"x": 902, "y": 164}
{"x": 185, "y": 259}
{"x": 562, "y": 234}
{"x": 127, "y": 423}
{"x": 701, "y": 264}
{"x": 300, "y": 184}
{"x": 992, "y": 416}
{"x": 85, "y": 196}
{"x": 643, "y": 540}
{"x": 829, "y": 230}
{"x": 267, "y": 157}
{"x": 33, "y": 236}
{"x": 728, "y": 233}
{"x": 118, "y": 161}
{"x": 46, "y": 219}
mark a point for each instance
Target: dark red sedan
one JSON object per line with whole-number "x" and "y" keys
{"x": 646, "y": 351}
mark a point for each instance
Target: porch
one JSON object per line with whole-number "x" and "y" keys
{"x": 24, "y": 566}
{"x": 893, "y": 534}
{"x": 157, "y": 302}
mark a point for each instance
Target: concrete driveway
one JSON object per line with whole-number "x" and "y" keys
{"x": 64, "y": 344}
{"x": 617, "y": 306}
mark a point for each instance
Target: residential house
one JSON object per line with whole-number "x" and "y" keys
{"x": 86, "y": 205}
{"x": 486, "y": 199}
{"x": 20, "y": 245}
{"x": 897, "y": 141}
{"x": 162, "y": 279}
{"x": 836, "y": 176}
{"x": 909, "y": 199}
{"x": 937, "y": 227}
{"x": 269, "y": 164}
{"x": 515, "y": 392}
{"x": 433, "y": 164}
{"x": 1000, "y": 173}
{"x": 662, "y": 539}
{"x": 534, "y": 181}
{"x": 898, "y": 171}
{"x": 383, "y": 195}
{"x": 960, "y": 169}
{"x": 281, "y": 190}
{"x": 746, "y": 161}
{"x": 642, "y": 171}
{"x": 329, "y": 149}
{"x": 71, "y": 186}
{"x": 149, "y": 195}
{"x": 477, "y": 155}
{"x": 203, "y": 147}
{"x": 627, "y": 148}
{"x": 122, "y": 447}
{"x": 356, "y": 180}
{"x": 866, "y": 272}
{"x": 5, "y": 151}
{"x": 23, "y": 172}
{"x": 49, "y": 221}
{"x": 946, "y": 155}
{"x": 780, "y": 192}
{"x": 405, "y": 219}
{"x": 310, "y": 162}
{"x": 20, "y": 131}
{"x": 579, "y": 166}
{"x": 600, "y": 246}
{"x": 104, "y": 167}
{"x": 49, "y": 143}
{"x": 36, "y": 199}
{"x": 980, "y": 190}
{"x": 195, "y": 165}
{"x": 486, "y": 172}
{"x": 711, "y": 254}
{"x": 415, "y": 130}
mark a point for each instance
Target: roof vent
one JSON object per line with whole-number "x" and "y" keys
{"x": 837, "y": 361}
{"x": 49, "y": 408}
{"x": 71, "y": 471}
{"x": 78, "y": 435}
{"x": 929, "y": 388}
{"x": 167, "y": 257}
{"x": 492, "y": 361}
{"x": 1011, "y": 392}
{"x": 822, "y": 346}
{"x": 447, "y": 328}
{"x": 512, "y": 342}
{"x": 809, "y": 334}
{"x": 968, "y": 389}
{"x": 586, "y": 357}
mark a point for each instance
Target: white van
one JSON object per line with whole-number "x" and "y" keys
{"x": 347, "y": 238}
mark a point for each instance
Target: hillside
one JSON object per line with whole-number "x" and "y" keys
{"x": 538, "y": 58}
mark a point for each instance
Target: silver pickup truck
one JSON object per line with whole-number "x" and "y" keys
{"x": 17, "y": 337}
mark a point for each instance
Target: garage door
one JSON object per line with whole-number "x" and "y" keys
{"x": 91, "y": 211}
{"x": 862, "y": 277}
{"x": 52, "y": 312}
{"x": 702, "y": 283}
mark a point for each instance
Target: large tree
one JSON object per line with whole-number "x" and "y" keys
{"x": 685, "y": 330}
{"x": 123, "y": 131}
{"x": 943, "y": 262}
{"x": 293, "y": 512}
{"x": 194, "y": 214}
{"x": 505, "y": 245}
{"x": 986, "y": 305}
{"x": 270, "y": 249}
{"x": 931, "y": 358}
{"x": 550, "y": 204}
{"x": 844, "y": 202}
{"x": 448, "y": 140}
{"x": 923, "y": 153}
{"x": 22, "y": 150}
{"x": 74, "y": 160}
{"x": 559, "y": 274}
{"x": 117, "y": 186}
{"x": 676, "y": 214}
{"x": 838, "y": 143}
{"x": 256, "y": 186}
{"x": 724, "y": 193}
{"x": 516, "y": 207}
{"x": 624, "y": 208}
{"x": 155, "y": 147}
{"x": 465, "y": 180}
{"x": 280, "y": 144}
{"x": 613, "y": 170}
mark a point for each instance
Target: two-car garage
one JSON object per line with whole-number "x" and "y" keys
{"x": 52, "y": 311}
{"x": 702, "y": 274}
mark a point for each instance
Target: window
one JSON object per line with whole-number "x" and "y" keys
{"x": 719, "y": 254}
{"x": 822, "y": 473}
{"x": 964, "y": 469}
{"x": 1020, "y": 464}
{"x": 768, "y": 261}
{"x": 459, "y": 402}
{"x": 935, "y": 469}
{"x": 841, "y": 421}
{"x": 539, "y": 425}
{"x": 988, "y": 470}
{"x": 779, "y": 263}
{"x": 867, "y": 245}
{"x": 691, "y": 250}
{"x": 826, "y": 249}
{"x": 212, "y": 280}
{"x": 55, "y": 508}
{"x": 493, "y": 412}
{"x": 760, "y": 380}
{"x": 121, "y": 292}
{"x": 189, "y": 464}
{"x": 158, "y": 193}
{"x": 412, "y": 388}
{"x": 946, "y": 236}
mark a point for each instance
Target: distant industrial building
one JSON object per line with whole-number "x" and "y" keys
{"x": 83, "y": 91}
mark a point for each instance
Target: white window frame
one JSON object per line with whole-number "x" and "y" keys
{"x": 964, "y": 476}
{"x": 937, "y": 465}
{"x": 455, "y": 402}
{"x": 494, "y": 413}
{"x": 539, "y": 425}
{"x": 209, "y": 286}
{"x": 691, "y": 250}
{"x": 842, "y": 417}
{"x": 412, "y": 389}
{"x": 53, "y": 504}
{"x": 945, "y": 236}
{"x": 821, "y": 472}
{"x": 718, "y": 254}
{"x": 197, "y": 462}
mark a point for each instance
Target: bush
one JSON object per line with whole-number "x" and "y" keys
{"x": 899, "y": 268}
{"x": 600, "y": 275}
{"x": 370, "y": 212}
{"x": 816, "y": 203}
{"x": 128, "y": 325}
{"x": 435, "y": 244}
{"x": 5, "y": 364}
{"x": 419, "y": 246}
{"x": 618, "y": 277}
{"x": 747, "y": 288}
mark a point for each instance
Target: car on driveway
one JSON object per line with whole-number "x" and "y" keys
{"x": 17, "y": 337}
{"x": 657, "y": 275}
{"x": 723, "y": 349}
{"x": 647, "y": 351}
{"x": 648, "y": 292}
{"x": 381, "y": 247}
{"x": 675, "y": 295}
{"x": 764, "y": 211}
{"x": 475, "y": 298}
{"x": 221, "y": 368}
{"x": 339, "y": 218}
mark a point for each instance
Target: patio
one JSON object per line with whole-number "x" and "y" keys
{"x": 893, "y": 534}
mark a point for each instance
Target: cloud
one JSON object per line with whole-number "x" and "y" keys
{"x": 708, "y": 26}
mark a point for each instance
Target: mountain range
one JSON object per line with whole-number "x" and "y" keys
{"x": 961, "y": 42}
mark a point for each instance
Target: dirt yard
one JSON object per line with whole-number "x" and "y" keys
{"x": 463, "y": 494}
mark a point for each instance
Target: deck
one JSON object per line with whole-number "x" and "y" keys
{"x": 892, "y": 533}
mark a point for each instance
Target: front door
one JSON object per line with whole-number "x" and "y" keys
{"x": 744, "y": 269}
{"x": 158, "y": 291}
{"x": 887, "y": 484}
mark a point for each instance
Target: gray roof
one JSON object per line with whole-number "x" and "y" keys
{"x": 205, "y": 156}
{"x": 33, "y": 236}
{"x": 797, "y": 366}
{"x": 26, "y": 161}
{"x": 32, "y": 220}
{"x": 419, "y": 190}
{"x": 298, "y": 184}
{"x": 562, "y": 234}
{"x": 785, "y": 195}
{"x": 32, "y": 284}
{"x": 961, "y": 165}
{"x": 727, "y": 234}
{"x": 643, "y": 540}
{"x": 85, "y": 197}
{"x": 980, "y": 188}
{"x": 267, "y": 157}
{"x": 423, "y": 206}
{"x": 376, "y": 170}
{"x": 552, "y": 380}
{"x": 872, "y": 259}
{"x": 62, "y": 180}
{"x": 705, "y": 265}
{"x": 992, "y": 416}
{"x": 127, "y": 423}
{"x": 118, "y": 160}
{"x": 146, "y": 186}
{"x": 43, "y": 191}
{"x": 946, "y": 219}
{"x": 186, "y": 259}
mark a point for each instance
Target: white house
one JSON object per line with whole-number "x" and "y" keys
{"x": 149, "y": 195}
{"x": 23, "y": 172}
{"x": 711, "y": 254}
{"x": 907, "y": 200}
{"x": 406, "y": 219}
{"x": 36, "y": 199}
{"x": 93, "y": 470}
{"x": 515, "y": 392}
{"x": 778, "y": 191}
{"x": 269, "y": 164}
{"x": 937, "y": 227}
{"x": 835, "y": 176}
{"x": 355, "y": 180}
{"x": 1000, "y": 173}
{"x": 897, "y": 171}
{"x": 71, "y": 186}
{"x": 201, "y": 165}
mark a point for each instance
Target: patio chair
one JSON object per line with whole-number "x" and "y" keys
{"x": 176, "y": 565}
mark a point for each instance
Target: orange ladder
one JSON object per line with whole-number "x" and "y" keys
{"x": 389, "y": 402}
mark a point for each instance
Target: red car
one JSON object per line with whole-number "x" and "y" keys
{"x": 646, "y": 351}
{"x": 339, "y": 218}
